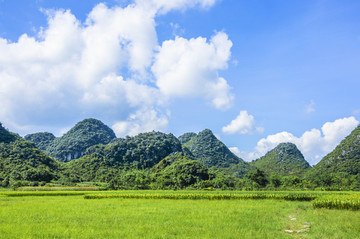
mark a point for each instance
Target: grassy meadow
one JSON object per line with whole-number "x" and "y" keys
{"x": 155, "y": 214}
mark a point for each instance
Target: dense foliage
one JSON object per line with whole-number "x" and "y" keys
{"x": 156, "y": 160}
{"x": 41, "y": 140}
{"x": 74, "y": 143}
{"x": 102, "y": 162}
{"x": 6, "y": 136}
{"x": 211, "y": 151}
{"x": 285, "y": 159}
{"x": 178, "y": 171}
{"x": 22, "y": 161}
{"x": 340, "y": 169}
{"x": 344, "y": 158}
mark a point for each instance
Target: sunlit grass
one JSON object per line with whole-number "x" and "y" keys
{"x": 56, "y": 216}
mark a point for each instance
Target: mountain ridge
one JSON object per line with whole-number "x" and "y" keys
{"x": 284, "y": 159}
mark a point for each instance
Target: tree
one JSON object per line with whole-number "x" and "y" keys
{"x": 258, "y": 176}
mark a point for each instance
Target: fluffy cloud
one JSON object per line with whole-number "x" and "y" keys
{"x": 235, "y": 150}
{"x": 314, "y": 144}
{"x": 243, "y": 124}
{"x": 144, "y": 120}
{"x": 164, "y": 6}
{"x": 100, "y": 68}
{"x": 189, "y": 68}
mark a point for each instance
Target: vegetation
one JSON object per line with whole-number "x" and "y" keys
{"x": 74, "y": 143}
{"x": 266, "y": 207}
{"x": 350, "y": 202}
{"x": 341, "y": 167}
{"x": 6, "y": 136}
{"x": 345, "y": 158}
{"x": 292, "y": 196}
{"x": 41, "y": 140}
{"x": 155, "y": 160}
{"x": 285, "y": 159}
{"x": 22, "y": 164}
{"x": 211, "y": 151}
{"x": 145, "y": 217}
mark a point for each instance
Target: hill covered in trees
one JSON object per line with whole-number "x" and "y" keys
{"x": 91, "y": 153}
{"x": 345, "y": 158}
{"x": 284, "y": 159}
{"x": 211, "y": 151}
{"x": 74, "y": 143}
{"x": 42, "y": 140}
{"x": 341, "y": 167}
{"x": 21, "y": 161}
{"x": 6, "y": 136}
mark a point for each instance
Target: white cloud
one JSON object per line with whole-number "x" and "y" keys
{"x": 144, "y": 120}
{"x": 100, "y": 67}
{"x": 314, "y": 144}
{"x": 243, "y": 124}
{"x": 189, "y": 68}
{"x": 235, "y": 150}
{"x": 247, "y": 156}
{"x": 164, "y": 6}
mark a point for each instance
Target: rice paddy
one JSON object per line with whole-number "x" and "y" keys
{"x": 177, "y": 214}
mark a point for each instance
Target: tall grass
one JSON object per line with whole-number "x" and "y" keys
{"x": 350, "y": 202}
{"x": 209, "y": 196}
{"x": 42, "y": 193}
{"x": 57, "y": 189}
{"x": 68, "y": 215}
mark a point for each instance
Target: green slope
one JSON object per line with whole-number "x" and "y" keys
{"x": 345, "y": 158}
{"x": 42, "y": 140}
{"x": 285, "y": 159}
{"x": 83, "y": 135}
{"x": 178, "y": 171}
{"x": 21, "y": 160}
{"x": 139, "y": 152}
{"x": 7, "y": 136}
{"x": 211, "y": 151}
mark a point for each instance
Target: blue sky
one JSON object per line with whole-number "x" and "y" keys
{"x": 256, "y": 73}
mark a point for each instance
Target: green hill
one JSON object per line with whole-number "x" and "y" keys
{"x": 345, "y": 158}
{"x": 285, "y": 159}
{"x": 41, "y": 140}
{"x": 21, "y": 160}
{"x": 209, "y": 150}
{"x": 139, "y": 152}
{"x": 7, "y": 136}
{"x": 83, "y": 135}
{"x": 178, "y": 171}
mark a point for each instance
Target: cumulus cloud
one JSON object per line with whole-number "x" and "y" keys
{"x": 235, "y": 150}
{"x": 243, "y": 124}
{"x": 164, "y": 6}
{"x": 144, "y": 120}
{"x": 101, "y": 67}
{"x": 314, "y": 144}
{"x": 189, "y": 68}
{"x": 247, "y": 156}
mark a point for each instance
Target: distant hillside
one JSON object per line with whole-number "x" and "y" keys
{"x": 83, "y": 135}
{"x": 6, "y": 136}
{"x": 185, "y": 171}
{"x": 21, "y": 160}
{"x": 42, "y": 140}
{"x": 211, "y": 151}
{"x": 285, "y": 159}
{"x": 186, "y": 137}
{"x": 344, "y": 158}
{"x": 139, "y": 152}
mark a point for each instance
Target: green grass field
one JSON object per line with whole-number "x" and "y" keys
{"x": 70, "y": 215}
